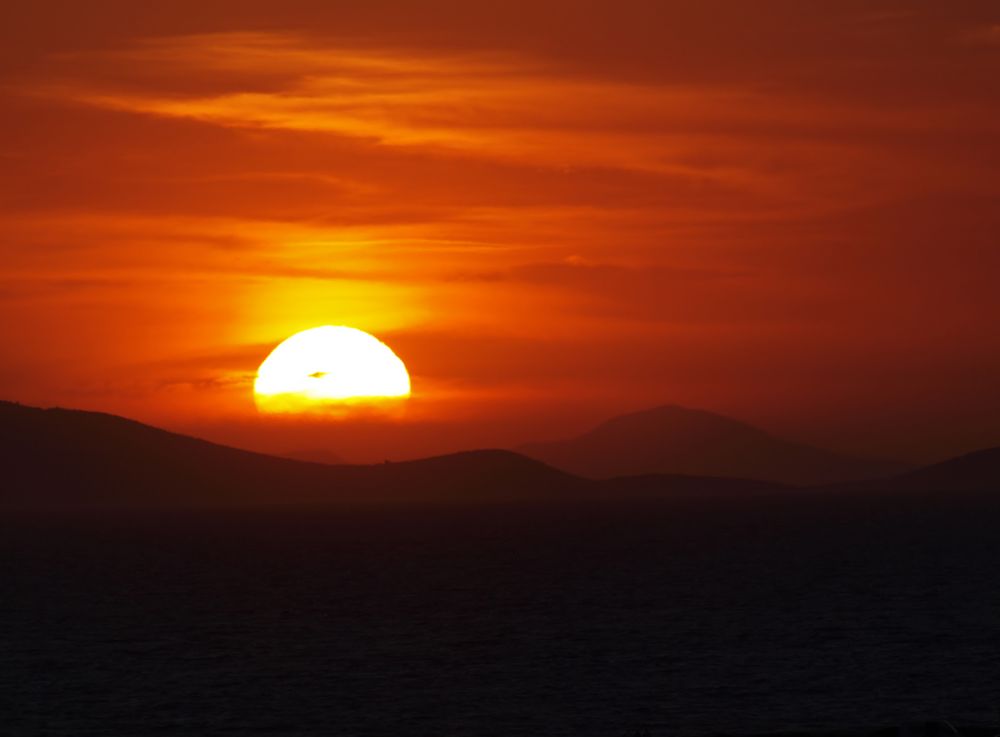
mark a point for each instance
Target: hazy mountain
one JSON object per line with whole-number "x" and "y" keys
{"x": 675, "y": 440}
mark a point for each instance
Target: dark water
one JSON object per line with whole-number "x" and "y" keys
{"x": 690, "y": 619}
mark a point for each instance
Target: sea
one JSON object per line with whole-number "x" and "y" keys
{"x": 793, "y": 613}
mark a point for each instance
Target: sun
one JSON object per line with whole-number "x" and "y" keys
{"x": 327, "y": 368}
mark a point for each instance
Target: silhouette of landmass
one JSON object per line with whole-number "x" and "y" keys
{"x": 312, "y": 455}
{"x": 976, "y": 471}
{"x": 676, "y": 440}
{"x": 59, "y": 457}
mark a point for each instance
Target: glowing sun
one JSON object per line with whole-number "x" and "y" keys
{"x": 329, "y": 367}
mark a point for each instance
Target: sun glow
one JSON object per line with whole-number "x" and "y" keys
{"x": 329, "y": 367}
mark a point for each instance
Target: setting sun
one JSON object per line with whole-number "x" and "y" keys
{"x": 327, "y": 367}
{"x": 428, "y": 367}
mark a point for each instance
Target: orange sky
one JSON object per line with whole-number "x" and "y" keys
{"x": 785, "y": 211}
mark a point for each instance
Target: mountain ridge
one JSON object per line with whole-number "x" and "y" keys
{"x": 56, "y": 458}
{"x": 96, "y": 457}
{"x": 670, "y": 439}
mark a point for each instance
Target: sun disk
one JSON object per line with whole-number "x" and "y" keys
{"x": 329, "y": 367}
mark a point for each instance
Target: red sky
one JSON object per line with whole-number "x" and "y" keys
{"x": 785, "y": 211}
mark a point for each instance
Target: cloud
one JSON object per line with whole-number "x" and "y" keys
{"x": 499, "y": 106}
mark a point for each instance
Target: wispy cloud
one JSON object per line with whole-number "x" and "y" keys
{"x": 482, "y": 105}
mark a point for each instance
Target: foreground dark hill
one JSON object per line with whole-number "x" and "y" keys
{"x": 58, "y": 456}
{"x": 312, "y": 455}
{"x": 676, "y": 440}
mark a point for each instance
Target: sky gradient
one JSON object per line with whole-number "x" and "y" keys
{"x": 553, "y": 212}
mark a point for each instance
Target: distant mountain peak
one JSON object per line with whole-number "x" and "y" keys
{"x": 672, "y": 439}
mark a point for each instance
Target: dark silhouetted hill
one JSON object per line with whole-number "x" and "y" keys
{"x": 67, "y": 457}
{"x": 675, "y": 440}
{"x": 312, "y": 455}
